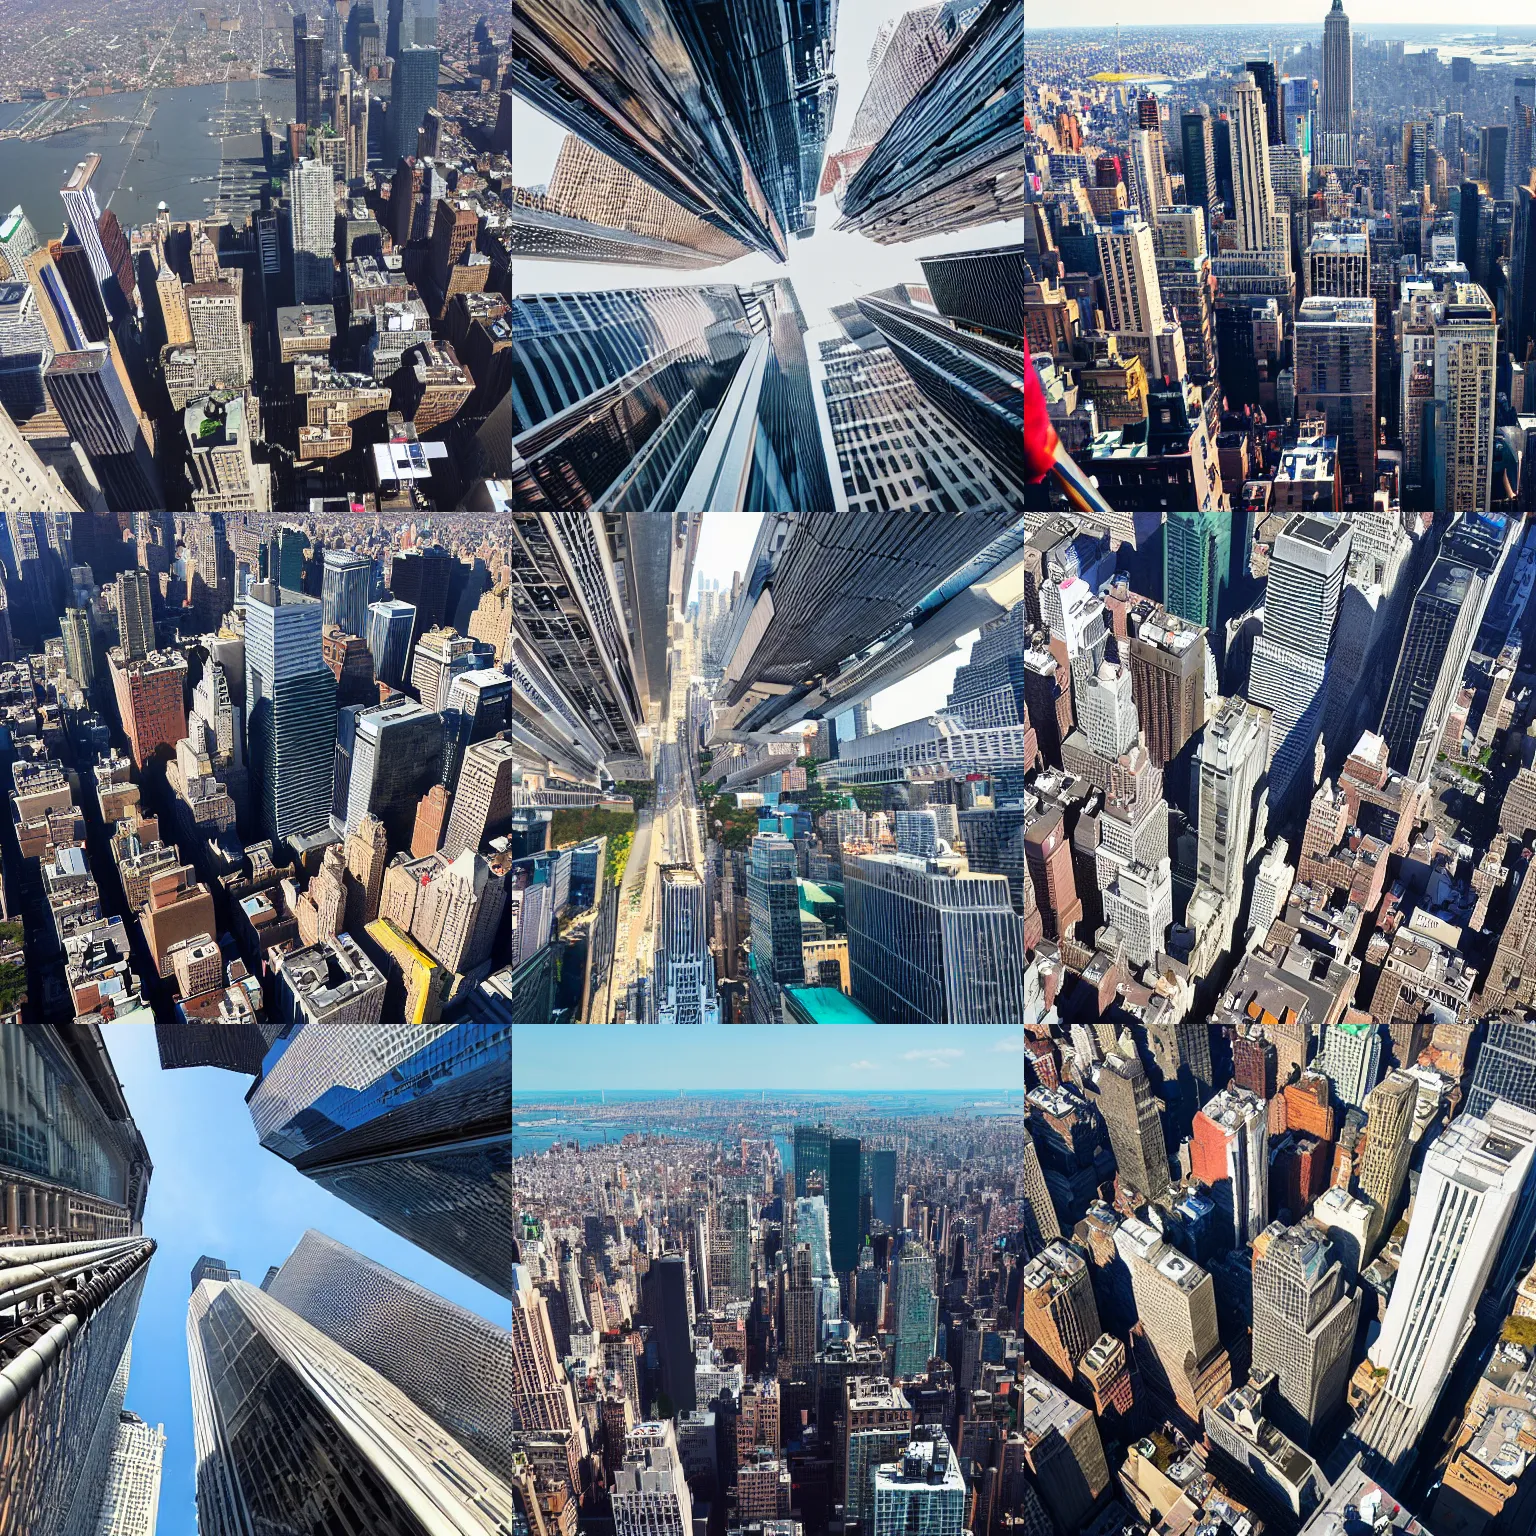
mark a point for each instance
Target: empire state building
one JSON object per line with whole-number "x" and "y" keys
{"x": 1337, "y": 106}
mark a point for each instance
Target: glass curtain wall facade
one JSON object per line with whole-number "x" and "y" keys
{"x": 409, "y": 1123}
{"x": 295, "y": 1434}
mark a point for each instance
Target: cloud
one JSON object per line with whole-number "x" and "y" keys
{"x": 938, "y": 1057}
{"x": 1011, "y": 1045}
{"x": 862, "y": 1066}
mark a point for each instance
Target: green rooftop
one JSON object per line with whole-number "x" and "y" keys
{"x": 824, "y": 1005}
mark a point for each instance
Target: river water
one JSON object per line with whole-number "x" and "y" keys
{"x": 175, "y": 148}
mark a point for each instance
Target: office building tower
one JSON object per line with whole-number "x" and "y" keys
{"x": 932, "y": 941}
{"x": 330, "y": 983}
{"x": 1350, "y": 1059}
{"x": 1336, "y": 102}
{"x": 1506, "y": 1066}
{"x": 1290, "y": 658}
{"x": 914, "y": 1310}
{"x": 683, "y": 981}
{"x": 442, "y": 1357}
{"x": 923, "y": 1492}
{"x": 84, "y": 216}
{"x": 904, "y": 56}
{"x": 413, "y": 93}
{"x": 813, "y": 1158}
{"x": 1176, "y": 1341}
{"x": 149, "y": 695}
{"x": 1304, "y": 1318}
{"x": 916, "y": 180}
{"x": 223, "y": 347}
{"x": 1199, "y": 145}
{"x": 91, "y": 392}
{"x": 542, "y": 1397}
{"x": 877, "y": 1425}
{"x": 430, "y": 1165}
{"x": 1522, "y": 276}
{"x": 1197, "y": 564}
{"x": 1230, "y": 1153}
{"x": 1336, "y": 379}
{"x": 307, "y": 74}
{"x": 482, "y": 804}
{"x": 131, "y": 1504}
{"x": 1062, "y": 1450}
{"x": 773, "y": 900}
{"x": 1442, "y": 626}
{"x": 386, "y": 757}
{"x": 882, "y": 424}
{"x": 1233, "y": 759}
{"x": 1468, "y": 1188}
{"x": 312, "y": 200}
{"x": 261, "y": 1373}
{"x": 1057, "y": 1312}
{"x": 1109, "y": 719}
{"x": 1169, "y": 666}
{"x": 389, "y": 639}
{"x": 1465, "y": 368}
{"x": 739, "y": 132}
{"x": 882, "y": 1162}
{"x": 1135, "y": 1128}
{"x": 846, "y": 1185}
{"x": 1128, "y": 261}
{"x": 75, "y": 625}
{"x": 1493, "y": 159}
{"x": 1339, "y": 265}
{"x": 290, "y": 701}
{"x": 1252, "y": 191}
{"x": 665, "y": 1299}
{"x": 347, "y": 584}
{"x": 650, "y": 1493}
{"x": 823, "y": 589}
{"x": 1389, "y": 1110}
{"x": 972, "y": 288}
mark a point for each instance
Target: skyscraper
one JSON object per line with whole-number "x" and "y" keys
{"x": 290, "y": 700}
{"x": 922, "y": 1493}
{"x": 813, "y": 1157}
{"x": 650, "y": 1493}
{"x": 482, "y": 802}
{"x": 1336, "y": 379}
{"x": 1230, "y": 1154}
{"x": 1234, "y": 753}
{"x": 1200, "y": 188}
{"x": 847, "y": 1184}
{"x": 389, "y": 639}
{"x": 1197, "y": 562}
{"x": 736, "y": 132}
{"x": 1252, "y": 191}
{"x": 91, "y": 392}
{"x": 443, "y": 1357}
{"x": 347, "y": 583}
{"x": 882, "y": 1163}
{"x": 773, "y": 901}
{"x": 261, "y": 1373}
{"x": 1134, "y": 1125}
{"x": 1304, "y": 1318}
{"x": 665, "y": 1299}
{"x": 84, "y": 215}
{"x": 929, "y": 941}
{"x": 1336, "y": 103}
{"x": 1465, "y": 382}
{"x": 939, "y": 166}
{"x": 131, "y": 1503}
{"x": 1468, "y": 1189}
{"x": 413, "y": 93}
{"x": 1389, "y": 1115}
{"x": 306, "y": 74}
{"x": 415, "y": 1133}
{"x": 914, "y": 1307}
{"x": 1057, "y": 1311}
{"x": 1506, "y": 1066}
{"x": 684, "y": 978}
{"x": 1522, "y": 275}
{"x": 542, "y": 1398}
{"x": 312, "y": 199}
{"x": 1290, "y": 658}
{"x": 1443, "y": 623}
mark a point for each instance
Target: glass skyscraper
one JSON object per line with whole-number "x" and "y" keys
{"x": 1197, "y": 559}
{"x": 389, "y": 639}
{"x": 290, "y": 700}
{"x": 733, "y": 127}
{"x": 409, "y": 1123}
{"x": 452, "y": 1363}
{"x": 293, "y": 1432}
{"x": 413, "y": 93}
{"x": 915, "y": 1307}
{"x": 952, "y": 157}
{"x": 847, "y": 1164}
{"x": 347, "y": 585}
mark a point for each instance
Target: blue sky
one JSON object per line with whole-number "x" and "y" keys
{"x": 216, "y": 1191}
{"x": 553, "y": 1057}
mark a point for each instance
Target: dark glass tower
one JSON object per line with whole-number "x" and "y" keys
{"x": 666, "y": 1309}
{"x": 952, "y": 157}
{"x": 847, "y": 1178}
{"x": 306, "y": 73}
{"x": 295, "y": 1433}
{"x": 723, "y": 105}
{"x": 813, "y": 1156}
{"x": 409, "y": 1123}
{"x": 883, "y": 1185}
{"x": 413, "y": 93}
{"x": 979, "y": 290}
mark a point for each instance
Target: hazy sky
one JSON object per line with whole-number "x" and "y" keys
{"x": 854, "y": 1056}
{"x": 826, "y": 268}
{"x": 725, "y": 545}
{"x": 1379, "y": 14}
